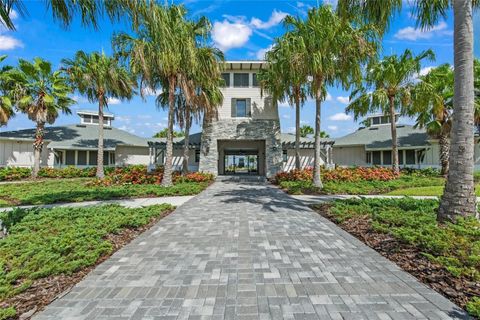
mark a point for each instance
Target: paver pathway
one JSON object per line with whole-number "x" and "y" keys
{"x": 248, "y": 251}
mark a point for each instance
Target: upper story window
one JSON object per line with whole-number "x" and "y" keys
{"x": 240, "y": 80}
{"x": 254, "y": 80}
{"x": 93, "y": 119}
{"x": 377, "y": 120}
{"x": 241, "y": 108}
{"x": 226, "y": 79}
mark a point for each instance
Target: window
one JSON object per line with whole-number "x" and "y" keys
{"x": 87, "y": 118}
{"x": 387, "y": 157}
{"x": 241, "y": 107}
{"x": 197, "y": 156}
{"x": 285, "y": 155}
{"x": 410, "y": 156}
{"x": 70, "y": 157}
{"x": 400, "y": 157}
{"x": 226, "y": 79}
{"x": 81, "y": 158}
{"x": 59, "y": 157}
{"x": 369, "y": 157}
{"x": 254, "y": 80}
{"x": 95, "y": 119}
{"x": 376, "y": 120}
{"x": 92, "y": 159}
{"x": 105, "y": 158}
{"x": 376, "y": 158}
{"x": 112, "y": 158}
{"x": 240, "y": 79}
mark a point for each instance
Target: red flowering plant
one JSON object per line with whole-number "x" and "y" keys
{"x": 339, "y": 174}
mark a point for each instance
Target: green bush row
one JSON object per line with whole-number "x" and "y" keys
{"x": 45, "y": 242}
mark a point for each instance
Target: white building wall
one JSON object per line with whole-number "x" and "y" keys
{"x": 20, "y": 154}
{"x": 128, "y": 155}
{"x": 261, "y": 107}
{"x": 349, "y": 156}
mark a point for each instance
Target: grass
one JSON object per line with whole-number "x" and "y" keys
{"x": 77, "y": 190}
{"x": 363, "y": 186}
{"x": 424, "y": 191}
{"x": 454, "y": 246}
{"x": 46, "y": 242}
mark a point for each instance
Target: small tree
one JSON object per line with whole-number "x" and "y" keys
{"x": 100, "y": 77}
{"x": 41, "y": 93}
{"x": 6, "y": 105}
{"x": 163, "y": 134}
{"x": 388, "y": 88}
{"x": 305, "y": 130}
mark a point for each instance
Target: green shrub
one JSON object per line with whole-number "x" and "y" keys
{"x": 62, "y": 241}
{"x": 7, "y": 313}
{"x": 14, "y": 173}
{"x": 455, "y": 246}
{"x": 473, "y": 307}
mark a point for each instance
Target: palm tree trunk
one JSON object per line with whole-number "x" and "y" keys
{"x": 37, "y": 148}
{"x": 297, "y": 131}
{"x": 317, "y": 180}
{"x": 167, "y": 170}
{"x": 186, "y": 149}
{"x": 393, "y": 126}
{"x": 100, "y": 172}
{"x": 459, "y": 195}
{"x": 444, "y": 143}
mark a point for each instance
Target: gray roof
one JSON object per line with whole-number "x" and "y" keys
{"x": 379, "y": 137}
{"x": 78, "y": 137}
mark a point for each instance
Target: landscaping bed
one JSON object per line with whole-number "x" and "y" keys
{"x": 118, "y": 184}
{"x": 357, "y": 181}
{"x": 445, "y": 257}
{"x": 64, "y": 244}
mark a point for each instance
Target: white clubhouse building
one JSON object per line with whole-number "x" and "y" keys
{"x": 245, "y": 139}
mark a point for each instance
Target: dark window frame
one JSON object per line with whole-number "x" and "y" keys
{"x": 240, "y": 77}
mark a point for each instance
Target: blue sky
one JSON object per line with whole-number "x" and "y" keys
{"x": 242, "y": 29}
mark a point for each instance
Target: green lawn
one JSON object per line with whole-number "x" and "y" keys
{"x": 46, "y": 242}
{"x": 76, "y": 190}
{"x": 454, "y": 246}
{"x": 424, "y": 191}
{"x": 363, "y": 187}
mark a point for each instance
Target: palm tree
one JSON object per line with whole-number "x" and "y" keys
{"x": 163, "y": 134}
{"x": 6, "y": 105}
{"x": 432, "y": 106}
{"x": 388, "y": 88}
{"x": 41, "y": 93}
{"x": 334, "y": 51}
{"x": 64, "y": 10}
{"x": 163, "y": 53}
{"x": 100, "y": 78}
{"x": 286, "y": 78}
{"x": 459, "y": 194}
{"x": 305, "y": 130}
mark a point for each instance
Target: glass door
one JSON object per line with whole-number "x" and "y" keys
{"x": 241, "y": 164}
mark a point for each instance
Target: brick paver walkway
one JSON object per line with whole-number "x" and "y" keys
{"x": 248, "y": 251}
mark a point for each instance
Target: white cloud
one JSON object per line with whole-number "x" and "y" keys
{"x": 413, "y": 34}
{"x": 332, "y": 128}
{"x": 328, "y": 97}
{"x": 150, "y": 92}
{"x": 344, "y": 100}
{"x": 228, "y": 35}
{"x": 261, "y": 53}
{"x": 144, "y": 116}
{"x": 340, "y": 117}
{"x": 275, "y": 18}
{"x": 286, "y": 116}
{"x": 9, "y": 43}
{"x": 79, "y": 99}
{"x": 126, "y": 119}
{"x": 283, "y": 104}
{"x": 425, "y": 71}
{"x": 113, "y": 101}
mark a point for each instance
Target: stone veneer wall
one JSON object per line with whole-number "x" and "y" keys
{"x": 241, "y": 129}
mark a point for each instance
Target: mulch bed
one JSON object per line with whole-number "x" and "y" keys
{"x": 45, "y": 290}
{"x": 457, "y": 289}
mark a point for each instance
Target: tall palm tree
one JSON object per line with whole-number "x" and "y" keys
{"x": 162, "y": 52}
{"x": 459, "y": 195}
{"x": 6, "y": 105}
{"x": 334, "y": 51}
{"x": 41, "y": 93}
{"x": 432, "y": 106}
{"x": 100, "y": 78}
{"x": 388, "y": 88}
{"x": 65, "y": 10}
{"x": 285, "y": 79}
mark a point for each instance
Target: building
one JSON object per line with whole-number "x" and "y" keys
{"x": 372, "y": 146}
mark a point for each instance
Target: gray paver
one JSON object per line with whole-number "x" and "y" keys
{"x": 248, "y": 251}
